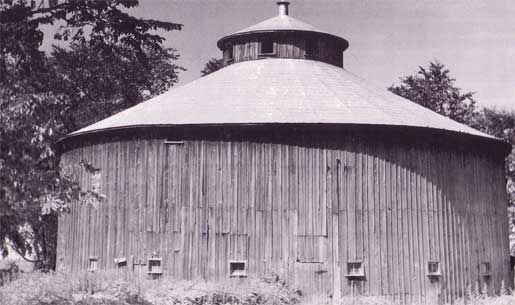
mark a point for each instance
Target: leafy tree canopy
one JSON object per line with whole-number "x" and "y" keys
{"x": 211, "y": 66}
{"x": 111, "y": 61}
{"x": 433, "y": 88}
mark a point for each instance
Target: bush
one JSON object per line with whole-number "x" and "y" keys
{"x": 228, "y": 291}
{"x": 111, "y": 288}
{"x": 9, "y": 271}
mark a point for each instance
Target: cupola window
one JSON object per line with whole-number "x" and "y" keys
{"x": 267, "y": 47}
{"x": 229, "y": 57}
{"x": 311, "y": 48}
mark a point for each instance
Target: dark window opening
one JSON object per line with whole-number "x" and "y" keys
{"x": 154, "y": 265}
{"x": 311, "y": 47}
{"x": 267, "y": 46}
{"x": 355, "y": 269}
{"x": 121, "y": 262}
{"x": 433, "y": 268}
{"x": 229, "y": 57}
{"x": 93, "y": 264}
{"x": 486, "y": 269}
{"x": 229, "y": 53}
{"x": 238, "y": 268}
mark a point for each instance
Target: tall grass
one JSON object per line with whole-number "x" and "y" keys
{"x": 112, "y": 288}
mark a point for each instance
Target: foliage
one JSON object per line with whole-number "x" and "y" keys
{"x": 9, "y": 271}
{"x": 346, "y": 300}
{"x": 102, "y": 23}
{"x": 433, "y": 88}
{"x": 476, "y": 296}
{"x": 106, "y": 82}
{"x": 111, "y": 61}
{"x": 112, "y": 289}
{"x": 473, "y": 297}
{"x": 212, "y": 65}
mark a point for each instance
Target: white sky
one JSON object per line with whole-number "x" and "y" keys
{"x": 388, "y": 39}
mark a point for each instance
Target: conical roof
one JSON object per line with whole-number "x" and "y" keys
{"x": 278, "y": 90}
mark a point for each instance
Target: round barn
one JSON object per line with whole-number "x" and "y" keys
{"x": 284, "y": 162}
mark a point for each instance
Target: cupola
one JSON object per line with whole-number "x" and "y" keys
{"x": 283, "y": 37}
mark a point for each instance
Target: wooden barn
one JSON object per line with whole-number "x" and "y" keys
{"x": 284, "y": 162}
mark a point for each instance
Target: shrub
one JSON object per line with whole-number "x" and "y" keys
{"x": 111, "y": 288}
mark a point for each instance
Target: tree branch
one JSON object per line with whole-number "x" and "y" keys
{"x": 23, "y": 256}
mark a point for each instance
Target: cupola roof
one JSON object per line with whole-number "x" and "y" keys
{"x": 280, "y": 23}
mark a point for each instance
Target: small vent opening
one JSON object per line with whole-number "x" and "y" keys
{"x": 93, "y": 264}
{"x": 486, "y": 269}
{"x": 154, "y": 266}
{"x": 121, "y": 262}
{"x": 433, "y": 268}
{"x": 238, "y": 268}
{"x": 355, "y": 269}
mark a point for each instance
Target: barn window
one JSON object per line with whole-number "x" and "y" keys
{"x": 93, "y": 264}
{"x": 267, "y": 47}
{"x": 238, "y": 268}
{"x": 355, "y": 269}
{"x": 230, "y": 55}
{"x": 154, "y": 265}
{"x": 486, "y": 269}
{"x": 311, "y": 48}
{"x": 433, "y": 268}
{"x": 121, "y": 262}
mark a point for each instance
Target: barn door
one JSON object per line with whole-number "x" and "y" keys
{"x": 312, "y": 242}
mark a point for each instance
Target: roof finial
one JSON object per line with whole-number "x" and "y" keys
{"x": 283, "y": 8}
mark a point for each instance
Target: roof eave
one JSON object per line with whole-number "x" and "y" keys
{"x": 505, "y": 147}
{"x": 344, "y": 44}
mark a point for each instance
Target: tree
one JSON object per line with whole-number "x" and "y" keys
{"x": 433, "y": 88}
{"x": 211, "y": 66}
{"x": 111, "y": 61}
{"x": 107, "y": 82}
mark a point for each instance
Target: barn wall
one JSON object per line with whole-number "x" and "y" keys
{"x": 300, "y": 210}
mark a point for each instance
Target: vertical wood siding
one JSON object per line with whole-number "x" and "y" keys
{"x": 286, "y": 47}
{"x": 300, "y": 210}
